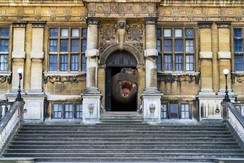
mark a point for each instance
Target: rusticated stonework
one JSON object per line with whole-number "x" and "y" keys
{"x": 122, "y": 10}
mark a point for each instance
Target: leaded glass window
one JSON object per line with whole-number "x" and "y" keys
{"x": 4, "y": 49}
{"x": 176, "y": 47}
{"x": 67, "y": 48}
{"x": 238, "y": 49}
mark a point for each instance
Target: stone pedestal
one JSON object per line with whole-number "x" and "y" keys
{"x": 210, "y": 105}
{"x": 91, "y": 106}
{"x": 151, "y": 105}
{"x": 34, "y": 105}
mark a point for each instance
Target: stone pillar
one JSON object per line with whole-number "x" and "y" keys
{"x": 91, "y": 97}
{"x": 35, "y": 97}
{"x": 18, "y": 53}
{"x": 206, "y": 56}
{"x": 151, "y": 97}
{"x": 224, "y": 57}
{"x": 215, "y": 57}
{"x": 209, "y": 106}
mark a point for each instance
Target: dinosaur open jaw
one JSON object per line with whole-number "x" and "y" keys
{"x": 126, "y": 87}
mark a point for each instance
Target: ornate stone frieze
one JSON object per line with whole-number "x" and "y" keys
{"x": 62, "y": 79}
{"x": 179, "y": 78}
{"x": 19, "y": 24}
{"x": 122, "y": 9}
{"x": 109, "y": 36}
{"x": 189, "y": 13}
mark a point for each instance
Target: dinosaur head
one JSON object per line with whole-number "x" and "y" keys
{"x": 124, "y": 85}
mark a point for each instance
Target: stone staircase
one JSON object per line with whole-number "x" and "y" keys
{"x": 123, "y": 139}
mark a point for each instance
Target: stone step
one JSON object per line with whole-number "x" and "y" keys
{"x": 119, "y": 150}
{"x": 124, "y": 139}
{"x": 124, "y": 146}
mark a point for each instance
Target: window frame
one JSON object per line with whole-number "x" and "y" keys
{"x": 171, "y": 67}
{"x": 69, "y": 50}
{"x": 237, "y": 53}
{"x": 63, "y": 111}
{"x": 179, "y": 113}
{"x": 5, "y": 54}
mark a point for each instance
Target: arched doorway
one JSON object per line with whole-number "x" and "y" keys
{"x": 117, "y": 61}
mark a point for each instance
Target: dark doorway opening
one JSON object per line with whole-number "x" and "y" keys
{"x": 115, "y": 63}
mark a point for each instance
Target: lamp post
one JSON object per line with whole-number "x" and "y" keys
{"x": 226, "y": 99}
{"x": 19, "y": 98}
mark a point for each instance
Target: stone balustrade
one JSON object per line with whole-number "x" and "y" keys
{"x": 11, "y": 119}
{"x": 235, "y": 121}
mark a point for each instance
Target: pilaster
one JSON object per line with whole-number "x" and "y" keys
{"x": 18, "y": 53}
{"x": 151, "y": 105}
{"x": 224, "y": 57}
{"x": 91, "y": 97}
{"x": 206, "y": 57}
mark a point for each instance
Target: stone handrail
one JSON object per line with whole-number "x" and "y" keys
{"x": 235, "y": 121}
{"x": 10, "y": 122}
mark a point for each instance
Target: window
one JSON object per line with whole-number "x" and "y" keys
{"x": 175, "y": 111}
{"x": 67, "y": 48}
{"x": 185, "y": 111}
{"x": 164, "y": 111}
{"x": 67, "y": 111}
{"x": 4, "y": 48}
{"x": 78, "y": 111}
{"x": 238, "y": 49}
{"x": 57, "y": 111}
{"x": 159, "y": 49}
{"x": 176, "y": 49}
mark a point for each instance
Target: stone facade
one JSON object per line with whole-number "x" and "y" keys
{"x": 122, "y": 26}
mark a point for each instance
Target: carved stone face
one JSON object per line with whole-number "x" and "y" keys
{"x": 124, "y": 85}
{"x": 121, "y": 25}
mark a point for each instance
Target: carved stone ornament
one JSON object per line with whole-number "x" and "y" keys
{"x": 5, "y": 78}
{"x": 122, "y": 9}
{"x": 110, "y": 35}
{"x": 61, "y": 79}
{"x": 179, "y": 78}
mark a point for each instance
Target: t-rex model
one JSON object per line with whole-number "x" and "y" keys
{"x": 124, "y": 85}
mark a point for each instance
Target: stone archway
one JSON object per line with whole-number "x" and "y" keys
{"x": 115, "y": 62}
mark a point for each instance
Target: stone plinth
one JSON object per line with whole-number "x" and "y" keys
{"x": 34, "y": 105}
{"x": 151, "y": 105}
{"x": 91, "y": 106}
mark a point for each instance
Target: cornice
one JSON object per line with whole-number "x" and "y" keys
{"x": 122, "y": 1}
{"x": 203, "y": 3}
{"x": 41, "y": 3}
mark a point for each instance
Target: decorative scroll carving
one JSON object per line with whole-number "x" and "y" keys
{"x": 62, "y": 79}
{"x": 135, "y": 33}
{"x": 237, "y": 77}
{"x": 179, "y": 78}
{"x": 6, "y": 78}
{"x": 109, "y": 36}
{"x": 122, "y": 9}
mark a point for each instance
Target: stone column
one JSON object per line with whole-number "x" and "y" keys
{"x": 224, "y": 57}
{"x": 151, "y": 97}
{"x": 91, "y": 96}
